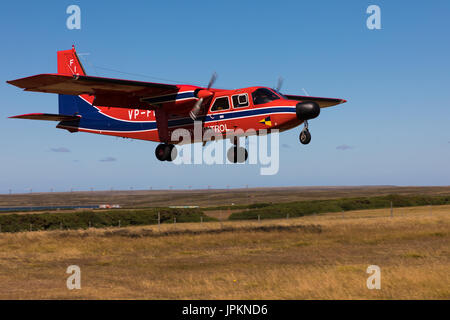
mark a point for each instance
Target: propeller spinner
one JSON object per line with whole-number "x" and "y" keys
{"x": 202, "y": 94}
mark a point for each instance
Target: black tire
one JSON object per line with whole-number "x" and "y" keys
{"x": 173, "y": 152}
{"x": 162, "y": 152}
{"x": 237, "y": 155}
{"x": 305, "y": 137}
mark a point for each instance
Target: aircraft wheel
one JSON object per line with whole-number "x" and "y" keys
{"x": 305, "y": 136}
{"x": 173, "y": 152}
{"x": 165, "y": 152}
{"x": 237, "y": 154}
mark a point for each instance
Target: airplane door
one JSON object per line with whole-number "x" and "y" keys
{"x": 215, "y": 119}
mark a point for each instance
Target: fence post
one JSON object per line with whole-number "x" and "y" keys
{"x": 60, "y": 226}
{"x": 287, "y": 216}
{"x": 259, "y": 218}
{"x": 343, "y": 214}
{"x": 201, "y": 219}
{"x": 31, "y": 227}
{"x": 174, "y": 220}
{"x": 119, "y": 223}
{"x": 392, "y": 211}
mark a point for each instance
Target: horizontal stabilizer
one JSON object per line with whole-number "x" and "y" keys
{"x": 46, "y": 116}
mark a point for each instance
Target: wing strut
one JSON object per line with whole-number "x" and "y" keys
{"x": 162, "y": 122}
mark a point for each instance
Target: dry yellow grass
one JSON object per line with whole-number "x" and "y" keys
{"x": 412, "y": 250}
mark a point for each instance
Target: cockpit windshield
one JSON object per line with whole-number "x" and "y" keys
{"x": 280, "y": 94}
{"x": 263, "y": 95}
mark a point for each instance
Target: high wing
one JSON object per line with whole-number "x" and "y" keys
{"x": 108, "y": 92}
{"x": 322, "y": 102}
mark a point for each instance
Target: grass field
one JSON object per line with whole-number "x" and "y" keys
{"x": 103, "y": 218}
{"x": 322, "y": 256}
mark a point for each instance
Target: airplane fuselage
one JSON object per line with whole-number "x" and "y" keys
{"x": 135, "y": 123}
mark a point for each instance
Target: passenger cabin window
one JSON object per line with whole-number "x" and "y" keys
{"x": 221, "y": 104}
{"x": 263, "y": 95}
{"x": 240, "y": 100}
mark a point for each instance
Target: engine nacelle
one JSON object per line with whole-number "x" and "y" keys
{"x": 307, "y": 110}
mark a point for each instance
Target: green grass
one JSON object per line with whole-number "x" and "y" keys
{"x": 97, "y": 219}
{"x": 302, "y": 208}
{"x": 148, "y": 216}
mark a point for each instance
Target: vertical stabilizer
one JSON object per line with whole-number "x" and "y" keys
{"x": 69, "y": 63}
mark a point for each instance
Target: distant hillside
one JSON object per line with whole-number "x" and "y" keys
{"x": 208, "y": 198}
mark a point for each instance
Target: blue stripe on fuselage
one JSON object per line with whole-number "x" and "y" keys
{"x": 92, "y": 118}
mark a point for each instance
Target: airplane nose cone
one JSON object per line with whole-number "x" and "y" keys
{"x": 307, "y": 110}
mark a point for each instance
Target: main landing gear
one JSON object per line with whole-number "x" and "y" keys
{"x": 305, "y": 136}
{"x": 237, "y": 154}
{"x": 166, "y": 152}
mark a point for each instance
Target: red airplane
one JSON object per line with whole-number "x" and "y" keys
{"x": 152, "y": 111}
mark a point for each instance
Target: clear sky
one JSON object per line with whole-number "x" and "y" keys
{"x": 394, "y": 130}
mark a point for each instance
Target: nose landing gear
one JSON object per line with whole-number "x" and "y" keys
{"x": 166, "y": 152}
{"x": 305, "y": 136}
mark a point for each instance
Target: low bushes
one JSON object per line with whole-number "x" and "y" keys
{"x": 97, "y": 219}
{"x": 302, "y": 208}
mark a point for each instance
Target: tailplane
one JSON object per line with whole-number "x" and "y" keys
{"x": 71, "y": 108}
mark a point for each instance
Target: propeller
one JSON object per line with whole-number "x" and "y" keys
{"x": 212, "y": 80}
{"x": 202, "y": 94}
{"x": 279, "y": 84}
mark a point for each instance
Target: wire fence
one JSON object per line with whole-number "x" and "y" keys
{"x": 158, "y": 221}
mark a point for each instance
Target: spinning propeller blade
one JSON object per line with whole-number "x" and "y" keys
{"x": 212, "y": 80}
{"x": 202, "y": 93}
{"x": 279, "y": 84}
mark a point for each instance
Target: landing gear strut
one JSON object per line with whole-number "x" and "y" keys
{"x": 305, "y": 136}
{"x": 237, "y": 154}
{"x": 166, "y": 152}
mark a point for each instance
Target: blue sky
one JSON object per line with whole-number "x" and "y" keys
{"x": 393, "y": 130}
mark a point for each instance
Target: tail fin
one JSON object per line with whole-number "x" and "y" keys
{"x": 69, "y": 63}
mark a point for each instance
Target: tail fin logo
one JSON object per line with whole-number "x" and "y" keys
{"x": 69, "y": 63}
{"x": 72, "y": 66}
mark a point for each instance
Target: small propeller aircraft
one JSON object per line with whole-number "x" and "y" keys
{"x": 152, "y": 111}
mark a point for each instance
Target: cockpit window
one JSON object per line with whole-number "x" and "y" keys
{"x": 263, "y": 95}
{"x": 221, "y": 104}
{"x": 240, "y": 100}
